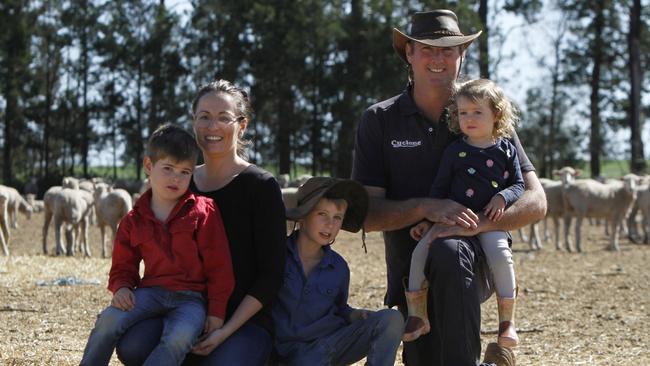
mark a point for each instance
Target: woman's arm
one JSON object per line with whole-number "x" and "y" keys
{"x": 246, "y": 309}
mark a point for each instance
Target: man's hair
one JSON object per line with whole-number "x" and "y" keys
{"x": 172, "y": 141}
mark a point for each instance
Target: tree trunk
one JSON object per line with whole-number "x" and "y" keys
{"x": 637, "y": 161}
{"x": 484, "y": 57}
{"x": 595, "y": 143}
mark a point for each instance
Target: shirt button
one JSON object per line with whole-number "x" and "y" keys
{"x": 430, "y": 129}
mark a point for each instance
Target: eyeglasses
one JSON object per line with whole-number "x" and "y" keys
{"x": 205, "y": 120}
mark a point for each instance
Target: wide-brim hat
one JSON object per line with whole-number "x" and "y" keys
{"x": 438, "y": 28}
{"x": 315, "y": 188}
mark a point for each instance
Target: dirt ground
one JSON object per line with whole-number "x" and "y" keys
{"x": 590, "y": 308}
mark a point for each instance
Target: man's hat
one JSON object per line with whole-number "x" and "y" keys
{"x": 438, "y": 28}
{"x": 352, "y": 192}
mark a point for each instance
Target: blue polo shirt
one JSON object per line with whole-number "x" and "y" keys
{"x": 309, "y": 308}
{"x": 397, "y": 148}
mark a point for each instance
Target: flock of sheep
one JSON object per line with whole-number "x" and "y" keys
{"x": 77, "y": 203}
{"x": 617, "y": 201}
{"x": 72, "y": 207}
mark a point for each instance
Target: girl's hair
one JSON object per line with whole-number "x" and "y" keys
{"x": 506, "y": 116}
{"x": 242, "y": 105}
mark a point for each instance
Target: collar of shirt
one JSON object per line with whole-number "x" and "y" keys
{"x": 143, "y": 205}
{"x": 292, "y": 243}
{"x": 408, "y": 107}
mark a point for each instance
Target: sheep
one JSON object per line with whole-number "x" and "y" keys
{"x": 71, "y": 207}
{"x": 16, "y": 203}
{"x": 4, "y": 230}
{"x": 283, "y": 180}
{"x": 111, "y": 205}
{"x": 37, "y": 205}
{"x": 643, "y": 204}
{"x": 589, "y": 198}
{"x": 554, "y": 208}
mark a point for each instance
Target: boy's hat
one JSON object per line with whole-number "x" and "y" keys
{"x": 437, "y": 28}
{"x": 352, "y": 192}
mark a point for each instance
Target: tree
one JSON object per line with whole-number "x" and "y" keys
{"x": 637, "y": 160}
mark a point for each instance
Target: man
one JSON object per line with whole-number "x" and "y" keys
{"x": 398, "y": 148}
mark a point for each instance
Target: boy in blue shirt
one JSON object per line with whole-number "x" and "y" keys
{"x": 314, "y": 323}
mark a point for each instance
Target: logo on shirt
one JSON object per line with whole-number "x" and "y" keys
{"x": 405, "y": 143}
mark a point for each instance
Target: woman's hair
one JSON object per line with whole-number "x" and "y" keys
{"x": 242, "y": 105}
{"x": 505, "y": 113}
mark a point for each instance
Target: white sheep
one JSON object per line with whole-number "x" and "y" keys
{"x": 71, "y": 207}
{"x": 643, "y": 204}
{"x": 110, "y": 206}
{"x": 554, "y": 208}
{"x": 589, "y": 198}
{"x": 15, "y": 204}
{"x": 37, "y": 205}
{"x": 4, "y": 230}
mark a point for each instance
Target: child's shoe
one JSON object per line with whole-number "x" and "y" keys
{"x": 507, "y": 332}
{"x": 417, "y": 322}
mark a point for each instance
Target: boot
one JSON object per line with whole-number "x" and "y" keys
{"x": 507, "y": 332}
{"x": 417, "y": 322}
{"x": 499, "y": 356}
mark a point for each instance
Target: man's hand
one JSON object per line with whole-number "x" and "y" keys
{"x": 123, "y": 299}
{"x": 494, "y": 209}
{"x": 450, "y": 212}
{"x": 443, "y": 230}
{"x": 418, "y": 231}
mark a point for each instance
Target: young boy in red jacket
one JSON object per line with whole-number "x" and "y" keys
{"x": 182, "y": 241}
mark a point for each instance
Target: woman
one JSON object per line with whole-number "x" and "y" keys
{"x": 251, "y": 206}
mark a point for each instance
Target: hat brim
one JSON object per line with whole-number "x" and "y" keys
{"x": 352, "y": 192}
{"x": 400, "y": 39}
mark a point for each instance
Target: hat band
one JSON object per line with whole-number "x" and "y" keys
{"x": 438, "y": 33}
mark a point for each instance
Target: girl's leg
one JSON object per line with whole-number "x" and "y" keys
{"x": 499, "y": 258}
{"x": 417, "y": 322}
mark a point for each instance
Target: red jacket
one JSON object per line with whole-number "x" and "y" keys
{"x": 189, "y": 251}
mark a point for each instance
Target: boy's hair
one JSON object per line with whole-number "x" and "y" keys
{"x": 172, "y": 141}
{"x": 337, "y": 198}
{"x": 506, "y": 116}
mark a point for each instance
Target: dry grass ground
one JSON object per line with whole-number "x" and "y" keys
{"x": 574, "y": 309}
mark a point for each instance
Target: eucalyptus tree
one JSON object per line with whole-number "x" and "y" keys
{"x": 637, "y": 159}
{"x": 591, "y": 61}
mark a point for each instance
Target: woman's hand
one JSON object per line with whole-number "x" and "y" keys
{"x": 211, "y": 323}
{"x": 209, "y": 342}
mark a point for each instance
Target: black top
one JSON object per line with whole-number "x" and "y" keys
{"x": 253, "y": 216}
{"x": 472, "y": 175}
{"x": 399, "y": 149}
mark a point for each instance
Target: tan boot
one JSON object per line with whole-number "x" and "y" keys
{"x": 417, "y": 322}
{"x": 507, "y": 332}
{"x": 498, "y": 355}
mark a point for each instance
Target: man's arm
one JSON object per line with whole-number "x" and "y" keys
{"x": 385, "y": 214}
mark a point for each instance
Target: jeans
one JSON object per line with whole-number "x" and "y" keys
{"x": 376, "y": 337}
{"x": 249, "y": 345}
{"x": 456, "y": 274}
{"x": 184, "y": 317}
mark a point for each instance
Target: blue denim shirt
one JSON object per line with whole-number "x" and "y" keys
{"x": 309, "y": 308}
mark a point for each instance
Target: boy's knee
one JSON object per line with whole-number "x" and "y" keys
{"x": 391, "y": 321}
{"x": 109, "y": 320}
{"x": 180, "y": 339}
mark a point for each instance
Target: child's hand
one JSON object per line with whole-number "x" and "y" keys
{"x": 494, "y": 209}
{"x": 123, "y": 299}
{"x": 359, "y": 314}
{"x": 420, "y": 229}
{"x": 211, "y": 323}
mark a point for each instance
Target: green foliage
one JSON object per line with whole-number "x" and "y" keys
{"x": 85, "y": 76}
